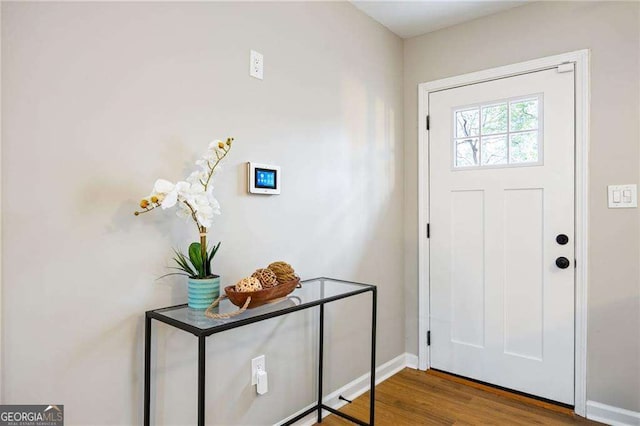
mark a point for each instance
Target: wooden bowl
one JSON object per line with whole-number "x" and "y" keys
{"x": 261, "y": 297}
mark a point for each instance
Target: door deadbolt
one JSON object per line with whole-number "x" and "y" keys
{"x": 562, "y": 262}
{"x": 562, "y": 239}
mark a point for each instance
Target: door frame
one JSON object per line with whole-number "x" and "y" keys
{"x": 580, "y": 59}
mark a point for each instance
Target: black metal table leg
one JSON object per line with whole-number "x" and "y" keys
{"x": 147, "y": 369}
{"x": 372, "y": 392}
{"x": 201, "y": 333}
{"x": 202, "y": 344}
{"x": 320, "y": 359}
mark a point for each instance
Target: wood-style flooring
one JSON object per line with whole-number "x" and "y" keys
{"x": 414, "y": 397}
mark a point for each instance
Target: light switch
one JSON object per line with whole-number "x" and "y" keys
{"x": 623, "y": 196}
{"x": 616, "y": 196}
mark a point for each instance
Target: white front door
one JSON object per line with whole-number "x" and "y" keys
{"x": 502, "y": 232}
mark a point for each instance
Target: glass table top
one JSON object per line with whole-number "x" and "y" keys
{"x": 312, "y": 293}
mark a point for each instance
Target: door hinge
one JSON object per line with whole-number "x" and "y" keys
{"x": 428, "y": 230}
{"x": 429, "y": 338}
{"x": 428, "y": 122}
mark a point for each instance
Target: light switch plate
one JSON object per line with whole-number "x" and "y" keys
{"x": 256, "y": 65}
{"x": 623, "y": 196}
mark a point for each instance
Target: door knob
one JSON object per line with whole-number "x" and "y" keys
{"x": 562, "y": 239}
{"x": 562, "y": 262}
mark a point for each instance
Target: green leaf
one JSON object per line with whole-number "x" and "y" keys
{"x": 210, "y": 257}
{"x": 195, "y": 254}
{"x": 172, "y": 273}
{"x": 180, "y": 259}
{"x": 213, "y": 252}
{"x": 182, "y": 262}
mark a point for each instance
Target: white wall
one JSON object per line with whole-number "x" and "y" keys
{"x": 612, "y": 31}
{"x": 100, "y": 99}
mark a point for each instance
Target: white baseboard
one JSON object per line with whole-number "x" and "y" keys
{"x": 356, "y": 388}
{"x": 595, "y": 411}
{"x": 412, "y": 361}
{"x": 612, "y": 415}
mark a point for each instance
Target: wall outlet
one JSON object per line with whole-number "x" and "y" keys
{"x": 258, "y": 363}
{"x": 256, "y": 65}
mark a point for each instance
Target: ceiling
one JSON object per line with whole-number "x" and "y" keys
{"x": 412, "y": 18}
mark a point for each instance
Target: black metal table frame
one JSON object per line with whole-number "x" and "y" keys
{"x": 202, "y": 334}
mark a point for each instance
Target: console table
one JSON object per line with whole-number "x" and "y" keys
{"x": 314, "y": 292}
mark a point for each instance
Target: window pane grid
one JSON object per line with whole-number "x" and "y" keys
{"x": 497, "y": 133}
{"x": 486, "y": 135}
{"x": 508, "y": 137}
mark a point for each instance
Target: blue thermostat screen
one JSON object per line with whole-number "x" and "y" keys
{"x": 266, "y": 178}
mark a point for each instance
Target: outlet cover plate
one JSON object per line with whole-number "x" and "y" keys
{"x": 257, "y": 363}
{"x": 256, "y": 65}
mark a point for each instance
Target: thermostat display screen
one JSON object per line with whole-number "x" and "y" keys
{"x": 265, "y": 178}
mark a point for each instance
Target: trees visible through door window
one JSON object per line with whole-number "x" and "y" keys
{"x": 498, "y": 134}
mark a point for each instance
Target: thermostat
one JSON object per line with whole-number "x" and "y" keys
{"x": 263, "y": 178}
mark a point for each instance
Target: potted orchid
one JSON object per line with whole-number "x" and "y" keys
{"x": 195, "y": 202}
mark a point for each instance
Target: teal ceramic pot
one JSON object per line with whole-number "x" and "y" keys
{"x": 203, "y": 291}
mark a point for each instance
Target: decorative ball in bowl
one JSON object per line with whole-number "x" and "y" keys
{"x": 261, "y": 297}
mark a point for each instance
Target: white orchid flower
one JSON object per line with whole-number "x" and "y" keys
{"x": 186, "y": 192}
{"x": 197, "y": 177}
{"x": 203, "y": 163}
{"x": 215, "y": 205}
{"x": 183, "y": 212}
{"x": 205, "y": 209}
{"x": 204, "y": 216}
{"x": 213, "y": 145}
{"x": 168, "y": 192}
{"x": 216, "y": 150}
{"x": 193, "y": 197}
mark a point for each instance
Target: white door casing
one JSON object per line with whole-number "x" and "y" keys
{"x": 501, "y": 310}
{"x": 581, "y": 61}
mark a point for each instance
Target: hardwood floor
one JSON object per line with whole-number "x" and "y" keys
{"x": 414, "y": 397}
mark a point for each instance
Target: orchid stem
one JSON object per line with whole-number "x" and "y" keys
{"x": 211, "y": 169}
{"x": 203, "y": 248}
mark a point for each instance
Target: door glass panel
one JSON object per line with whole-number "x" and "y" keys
{"x": 498, "y": 134}
{"x": 523, "y": 147}
{"x": 494, "y": 150}
{"x": 467, "y": 123}
{"x": 467, "y": 152}
{"x": 524, "y": 115}
{"x": 494, "y": 119}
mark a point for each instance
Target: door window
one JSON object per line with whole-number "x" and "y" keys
{"x": 505, "y": 133}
